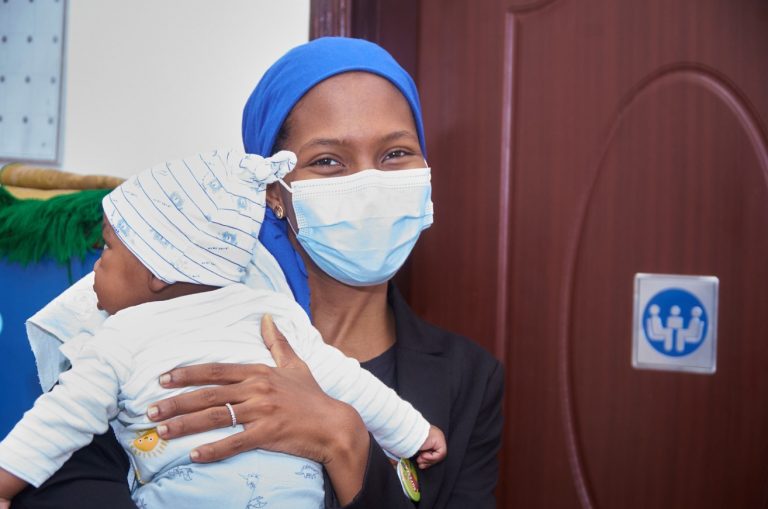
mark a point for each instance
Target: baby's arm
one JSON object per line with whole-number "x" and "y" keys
{"x": 61, "y": 422}
{"x": 398, "y": 427}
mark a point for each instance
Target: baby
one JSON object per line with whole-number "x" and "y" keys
{"x": 179, "y": 237}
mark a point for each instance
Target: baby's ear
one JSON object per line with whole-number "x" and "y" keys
{"x": 157, "y": 285}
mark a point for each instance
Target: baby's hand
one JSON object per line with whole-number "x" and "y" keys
{"x": 434, "y": 449}
{"x": 5, "y": 503}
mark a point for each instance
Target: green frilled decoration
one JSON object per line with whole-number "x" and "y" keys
{"x": 59, "y": 228}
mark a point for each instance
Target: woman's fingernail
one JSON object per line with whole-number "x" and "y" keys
{"x": 195, "y": 454}
{"x": 165, "y": 379}
{"x": 153, "y": 412}
{"x": 162, "y": 429}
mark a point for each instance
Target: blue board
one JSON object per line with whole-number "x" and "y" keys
{"x": 24, "y": 291}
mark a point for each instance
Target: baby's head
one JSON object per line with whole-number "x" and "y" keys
{"x": 184, "y": 226}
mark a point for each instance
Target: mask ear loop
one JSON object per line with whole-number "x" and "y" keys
{"x": 286, "y": 186}
{"x": 287, "y": 218}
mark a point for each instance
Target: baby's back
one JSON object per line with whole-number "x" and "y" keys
{"x": 219, "y": 326}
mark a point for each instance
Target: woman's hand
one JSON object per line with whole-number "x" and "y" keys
{"x": 282, "y": 409}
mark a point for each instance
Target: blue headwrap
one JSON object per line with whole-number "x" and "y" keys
{"x": 270, "y": 103}
{"x": 286, "y": 82}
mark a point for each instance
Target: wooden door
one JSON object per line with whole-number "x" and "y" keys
{"x": 574, "y": 144}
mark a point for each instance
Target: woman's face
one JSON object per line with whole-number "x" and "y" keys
{"x": 351, "y": 122}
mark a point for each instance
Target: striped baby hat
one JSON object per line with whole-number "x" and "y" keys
{"x": 197, "y": 219}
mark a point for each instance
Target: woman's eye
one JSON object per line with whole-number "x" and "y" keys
{"x": 393, "y": 154}
{"x": 325, "y": 161}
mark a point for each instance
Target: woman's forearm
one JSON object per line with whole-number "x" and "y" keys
{"x": 10, "y": 485}
{"x": 348, "y": 457}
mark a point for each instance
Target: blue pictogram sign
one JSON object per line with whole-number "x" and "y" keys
{"x": 674, "y": 319}
{"x": 675, "y": 322}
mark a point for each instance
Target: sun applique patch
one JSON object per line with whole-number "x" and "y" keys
{"x": 148, "y": 444}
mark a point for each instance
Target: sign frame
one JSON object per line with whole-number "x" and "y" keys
{"x": 643, "y": 356}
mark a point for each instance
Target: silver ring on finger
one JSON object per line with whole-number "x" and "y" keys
{"x": 231, "y": 414}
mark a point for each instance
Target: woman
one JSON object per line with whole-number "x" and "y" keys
{"x": 342, "y": 105}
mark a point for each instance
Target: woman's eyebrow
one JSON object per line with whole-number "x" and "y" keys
{"x": 323, "y": 142}
{"x": 394, "y": 136}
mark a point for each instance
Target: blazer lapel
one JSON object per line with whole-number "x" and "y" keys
{"x": 423, "y": 380}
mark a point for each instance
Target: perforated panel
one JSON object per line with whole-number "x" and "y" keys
{"x": 31, "y": 52}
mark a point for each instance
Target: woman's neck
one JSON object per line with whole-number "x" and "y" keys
{"x": 356, "y": 320}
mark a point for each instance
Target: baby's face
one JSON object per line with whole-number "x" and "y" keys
{"x": 121, "y": 279}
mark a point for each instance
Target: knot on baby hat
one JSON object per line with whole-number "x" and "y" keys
{"x": 196, "y": 220}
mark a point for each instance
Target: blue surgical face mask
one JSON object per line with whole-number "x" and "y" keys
{"x": 360, "y": 228}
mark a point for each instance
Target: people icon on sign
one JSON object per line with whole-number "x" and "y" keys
{"x": 694, "y": 333}
{"x": 667, "y": 327}
{"x": 657, "y": 331}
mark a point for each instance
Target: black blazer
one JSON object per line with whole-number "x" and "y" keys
{"x": 458, "y": 387}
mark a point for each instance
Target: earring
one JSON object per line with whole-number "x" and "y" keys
{"x": 279, "y": 212}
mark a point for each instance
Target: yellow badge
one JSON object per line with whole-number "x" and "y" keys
{"x": 409, "y": 479}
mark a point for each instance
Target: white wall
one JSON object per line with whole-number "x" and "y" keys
{"x": 151, "y": 80}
